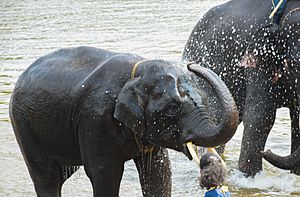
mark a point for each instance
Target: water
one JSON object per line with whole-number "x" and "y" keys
{"x": 153, "y": 29}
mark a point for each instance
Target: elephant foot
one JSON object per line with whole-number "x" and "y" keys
{"x": 248, "y": 172}
{"x": 248, "y": 168}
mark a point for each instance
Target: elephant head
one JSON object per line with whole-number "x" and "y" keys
{"x": 165, "y": 107}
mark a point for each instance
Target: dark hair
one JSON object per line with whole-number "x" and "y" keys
{"x": 213, "y": 172}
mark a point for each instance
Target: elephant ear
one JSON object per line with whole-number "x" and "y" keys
{"x": 129, "y": 108}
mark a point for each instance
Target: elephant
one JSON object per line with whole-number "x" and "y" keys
{"x": 258, "y": 61}
{"x": 95, "y": 108}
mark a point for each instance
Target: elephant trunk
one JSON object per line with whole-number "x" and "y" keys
{"x": 287, "y": 163}
{"x": 201, "y": 130}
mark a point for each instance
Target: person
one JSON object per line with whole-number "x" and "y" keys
{"x": 277, "y": 16}
{"x": 212, "y": 176}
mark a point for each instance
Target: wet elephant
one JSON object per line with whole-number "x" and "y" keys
{"x": 91, "y": 107}
{"x": 259, "y": 64}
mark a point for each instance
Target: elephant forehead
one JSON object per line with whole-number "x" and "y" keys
{"x": 162, "y": 95}
{"x": 167, "y": 81}
{"x": 158, "y": 83}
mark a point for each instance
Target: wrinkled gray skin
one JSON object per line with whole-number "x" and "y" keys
{"x": 79, "y": 106}
{"x": 237, "y": 42}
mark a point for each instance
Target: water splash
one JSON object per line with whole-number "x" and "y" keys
{"x": 266, "y": 181}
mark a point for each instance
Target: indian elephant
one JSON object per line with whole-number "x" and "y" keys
{"x": 96, "y": 108}
{"x": 258, "y": 61}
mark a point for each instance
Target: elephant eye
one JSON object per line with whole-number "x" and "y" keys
{"x": 172, "y": 109}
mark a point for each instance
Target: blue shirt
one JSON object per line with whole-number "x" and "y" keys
{"x": 217, "y": 193}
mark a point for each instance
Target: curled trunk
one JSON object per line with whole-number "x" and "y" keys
{"x": 287, "y": 163}
{"x": 201, "y": 130}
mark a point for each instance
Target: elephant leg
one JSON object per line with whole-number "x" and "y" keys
{"x": 105, "y": 176}
{"x": 294, "y": 115}
{"x": 44, "y": 171}
{"x": 258, "y": 119}
{"x": 256, "y": 130}
{"x": 155, "y": 173}
{"x": 103, "y": 164}
{"x": 46, "y": 177}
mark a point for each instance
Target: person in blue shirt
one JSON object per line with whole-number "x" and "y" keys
{"x": 277, "y": 16}
{"x": 212, "y": 176}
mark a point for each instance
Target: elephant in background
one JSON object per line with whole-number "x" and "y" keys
{"x": 292, "y": 43}
{"x": 96, "y": 108}
{"x": 259, "y": 63}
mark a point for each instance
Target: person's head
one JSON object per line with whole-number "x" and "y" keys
{"x": 213, "y": 172}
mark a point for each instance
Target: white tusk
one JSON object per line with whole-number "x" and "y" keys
{"x": 195, "y": 156}
{"x": 193, "y": 152}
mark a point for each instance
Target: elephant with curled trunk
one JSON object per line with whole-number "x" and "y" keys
{"x": 91, "y": 107}
{"x": 258, "y": 62}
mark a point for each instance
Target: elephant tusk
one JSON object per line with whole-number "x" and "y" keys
{"x": 213, "y": 150}
{"x": 193, "y": 152}
{"x": 195, "y": 156}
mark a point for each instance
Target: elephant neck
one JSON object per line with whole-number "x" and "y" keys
{"x": 139, "y": 142}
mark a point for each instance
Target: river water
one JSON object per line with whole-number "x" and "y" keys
{"x": 153, "y": 29}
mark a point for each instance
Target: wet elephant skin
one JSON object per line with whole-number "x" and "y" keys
{"x": 259, "y": 63}
{"x": 96, "y": 108}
